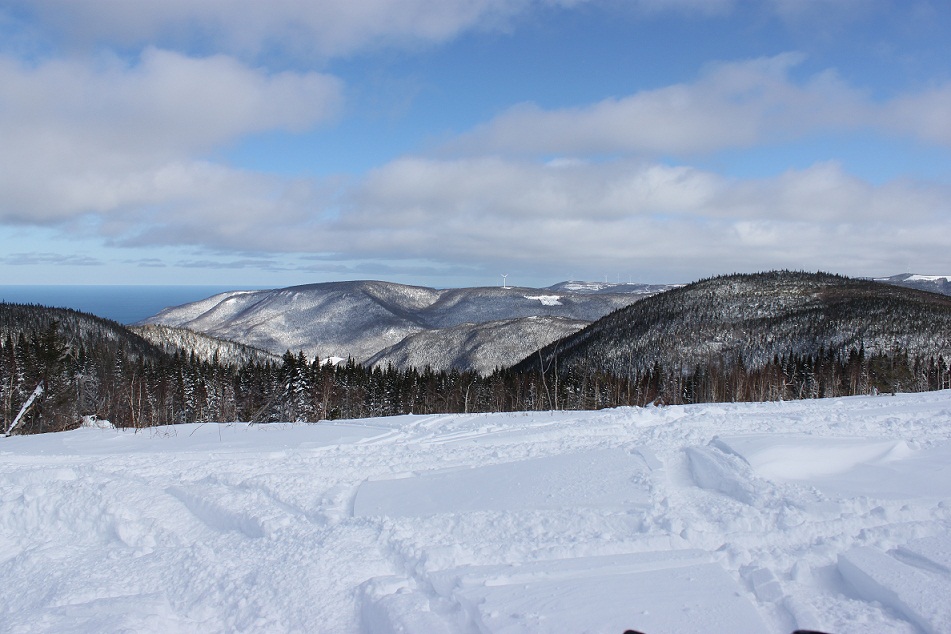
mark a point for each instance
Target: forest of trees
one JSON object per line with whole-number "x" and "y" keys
{"x": 751, "y": 319}
{"x": 93, "y": 368}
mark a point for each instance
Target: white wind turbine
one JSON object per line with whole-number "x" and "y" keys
{"x": 504, "y": 275}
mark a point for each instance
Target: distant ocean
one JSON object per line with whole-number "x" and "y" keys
{"x": 124, "y": 304}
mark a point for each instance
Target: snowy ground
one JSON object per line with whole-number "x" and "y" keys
{"x": 834, "y": 515}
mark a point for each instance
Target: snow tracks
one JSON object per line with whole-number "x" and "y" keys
{"x": 831, "y": 515}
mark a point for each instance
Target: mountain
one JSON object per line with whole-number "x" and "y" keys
{"x": 206, "y": 348}
{"x": 334, "y": 319}
{"x": 599, "y": 288}
{"x": 752, "y": 319}
{"x": 76, "y": 329}
{"x": 479, "y": 347}
{"x": 934, "y": 283}
{"x": 59, "y": 367}
{"x": 362, "y": 319}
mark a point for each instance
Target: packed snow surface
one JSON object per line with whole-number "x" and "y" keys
{"x": 831, "y": 515}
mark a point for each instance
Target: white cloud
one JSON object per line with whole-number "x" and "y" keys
{"x": 117, "y": 148}
{"x": 333, "y": 28}
{"x": 731, "y": 105}
{"x": 485, "y": 189}
{"x": 545, "y": 220}
{"x": 924, "y": 115}
{"x": 46, "y": 258}
{"x": 324, "y": 28}
{"x": 97, "y": 137}
{"x": 632, "y": 216}
{"x": 165, "y": 100}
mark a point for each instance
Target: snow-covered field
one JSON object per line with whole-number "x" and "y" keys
{"x": 832, "y": 515}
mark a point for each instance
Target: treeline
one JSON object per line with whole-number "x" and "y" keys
{"x": 829, "y": 373}
{"x": 102, "y": 377}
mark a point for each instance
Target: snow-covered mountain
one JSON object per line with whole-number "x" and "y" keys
{"x": 203, "y": 346}
{"x": 78, "y": 329}
{"x": 934, "y": 283}
{"x": 610, "y": 287}
{"x": 752, "y": 319}
{"x": 830, "y": 515}
{"x": 479, "y": 347}
{"x": 362, "y": 319}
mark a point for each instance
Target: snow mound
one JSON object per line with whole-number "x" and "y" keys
{"x": 877, "y": 467}
{"x": 713, "y": 470}
{"x": 808, "y": 457}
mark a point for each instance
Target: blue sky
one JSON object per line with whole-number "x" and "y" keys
{"x": 444, "y": 142}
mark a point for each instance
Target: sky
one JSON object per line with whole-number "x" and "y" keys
{"x": 447, "y": 142}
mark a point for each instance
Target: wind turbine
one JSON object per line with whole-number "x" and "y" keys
{"x": 504, "y": 275}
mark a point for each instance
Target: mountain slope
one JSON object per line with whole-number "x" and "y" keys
{"x": 205, "y": 347}
{"x": 67, "y": 360}
{"x": 360, "y": 319}
{"x": 81, "y": 366}
{"x": 934, "y": 283}
{"x": 752, "y": 318}
{"x": 458, "y": 306}
{"x": 75, "y": 329}
{"x": 335, "y": 319}
{"x": 478, "y": 347}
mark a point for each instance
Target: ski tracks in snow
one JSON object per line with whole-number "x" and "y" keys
{"x": 831, "y": 515}
{"x": 789, "y": 546}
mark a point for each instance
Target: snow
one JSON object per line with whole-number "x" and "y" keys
{"x": 585, "y": 286}
{"x": 95, "y": 422}
{"x": 600, "y": 479}
{"x": 929, "y": 278}
{"x": 831, "y": 515}
{"x": 546, "y": 300}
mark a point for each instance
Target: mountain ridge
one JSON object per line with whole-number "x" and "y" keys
{"x": 751, "y": 319}
{"x": 361, "y": 319}
{"x": 932, "y": 283}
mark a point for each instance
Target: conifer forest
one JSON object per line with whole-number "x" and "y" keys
{"x": 80, "y": 367}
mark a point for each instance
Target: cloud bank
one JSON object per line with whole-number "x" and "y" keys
{"x": 639, "y": 215}
{"x": 731, "y": 105}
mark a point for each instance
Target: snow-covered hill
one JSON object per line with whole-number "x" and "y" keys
{"x": 479, "y": 347}
{"x": 754, "y": 318}
{"x": 203, "y": 346}
{"x": 610, "y": 287}
{"x": 934, "y": 283}
{"x": 360, "y": 319}
{"x": 831, "y": 514}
